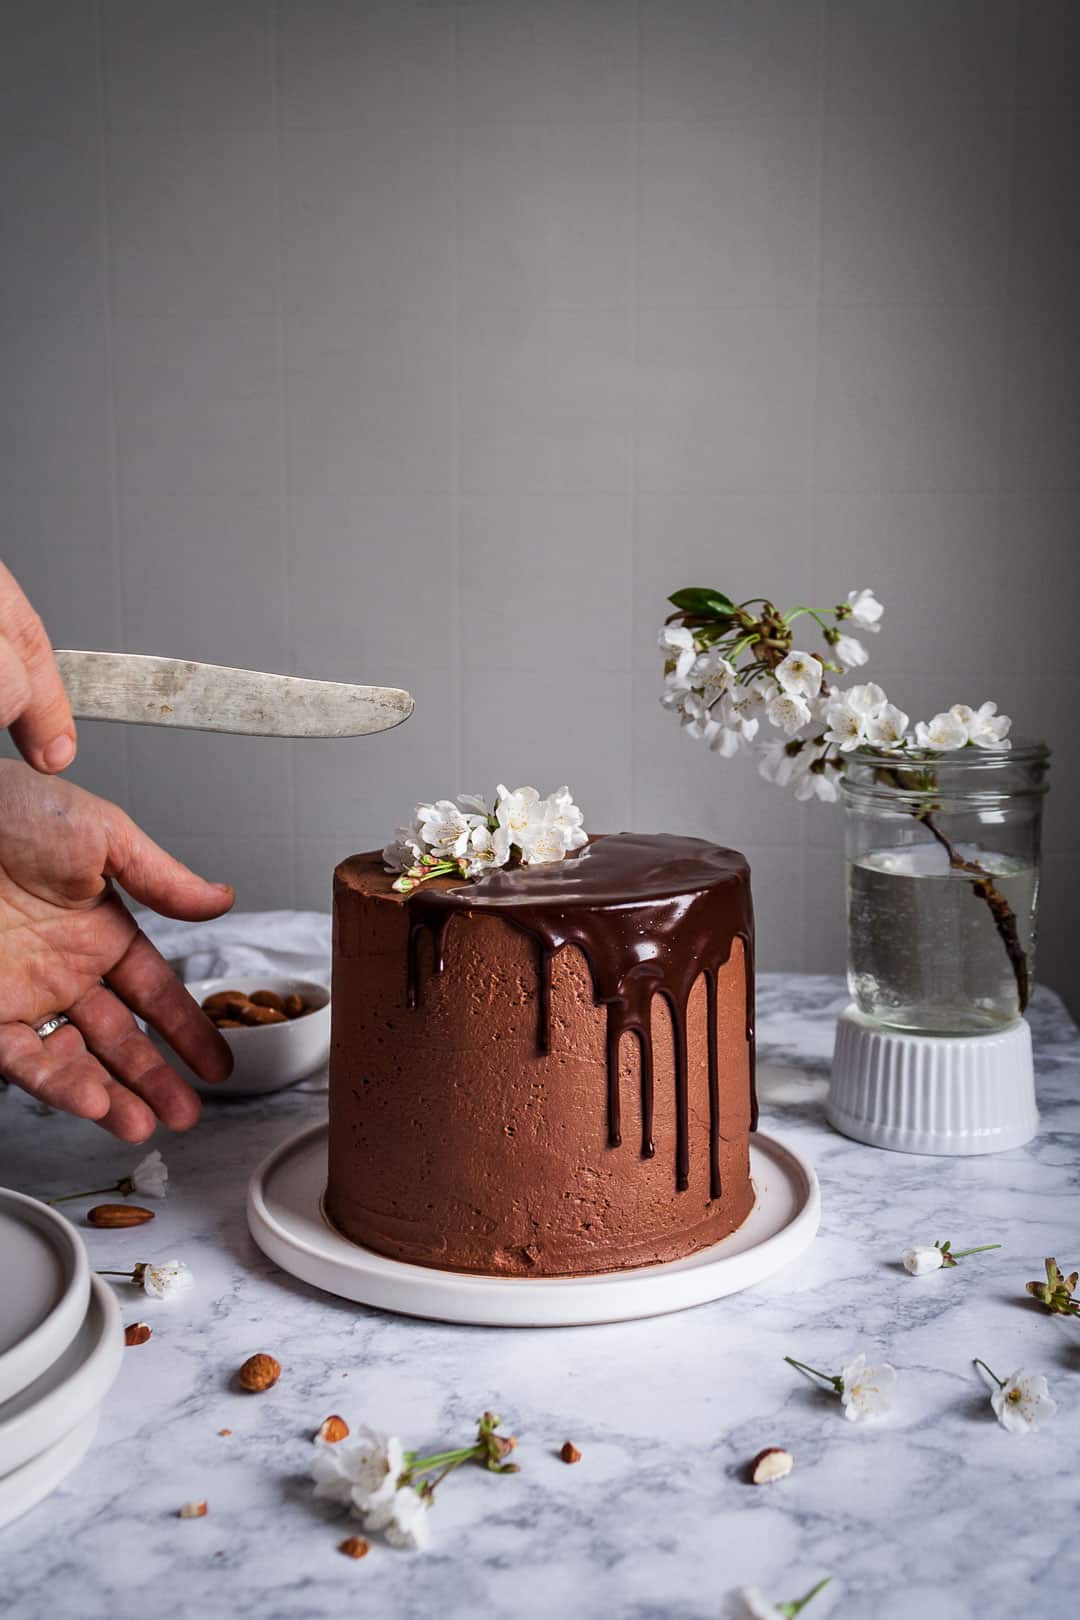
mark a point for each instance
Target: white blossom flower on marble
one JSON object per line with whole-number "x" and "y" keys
{"x": 922, "y": 1259}
{"x": 868, "y": 1390}
{"x": 1021, "y": 1402}
{"x": 150, "y": 1177}
{"x": 165, "y": 1281}
{"x": 408, "y": 1524}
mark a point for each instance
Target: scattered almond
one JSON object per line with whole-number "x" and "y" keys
{"x": 354, "y": 1547}
{"x": 293, "y": 1005}
{"x": 772, "y": 1463}
{"x": 224, "y": 1431}
{"x": 119, "y": 1215}
{"x": 193, "y": 1510}
{"x": 333, "y": 1429}
{"x": 570, "y": 1452}
{"x": 138, "y": 1333}
{"x": 228, "y": 1023}
{"x": 258, "y": 1373}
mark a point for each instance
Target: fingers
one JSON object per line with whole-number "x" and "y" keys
{"x": 33, "y": 701}
{"x": 155, "y": 878}
{"x": 145, "y": 981}
{"x": 113, "y": 1036}
{"x": 62, "y": 1073}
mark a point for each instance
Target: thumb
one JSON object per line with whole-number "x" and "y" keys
{"x": 155, "y": 878}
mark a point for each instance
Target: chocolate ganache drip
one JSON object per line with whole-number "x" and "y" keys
{"x": 651, "y": 914}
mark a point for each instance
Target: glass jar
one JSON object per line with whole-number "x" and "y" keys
{"x": 943, "y": 885}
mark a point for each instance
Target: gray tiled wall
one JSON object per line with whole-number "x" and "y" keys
{"x": 435, "y": 343}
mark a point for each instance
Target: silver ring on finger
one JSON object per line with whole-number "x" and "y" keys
{"x": 51, "y": 1025}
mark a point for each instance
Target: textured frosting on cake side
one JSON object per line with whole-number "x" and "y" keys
{"x": 548, "y": 1071}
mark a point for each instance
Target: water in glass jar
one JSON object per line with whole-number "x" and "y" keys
{"x": 923, "y": 949}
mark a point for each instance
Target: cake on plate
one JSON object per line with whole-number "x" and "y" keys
{"x": 547, "y": 1069}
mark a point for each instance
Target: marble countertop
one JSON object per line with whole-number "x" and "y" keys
{"x": 937, "y": 1512}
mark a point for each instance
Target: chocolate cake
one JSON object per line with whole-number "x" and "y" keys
{"x": 547, "y": 1071}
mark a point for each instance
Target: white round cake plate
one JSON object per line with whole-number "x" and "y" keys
{"x": 68, "y": 1391}
{"x": 44, "y": 1286}
{"x": 37, "y": 1479}
{"x": 284, "y": 1210}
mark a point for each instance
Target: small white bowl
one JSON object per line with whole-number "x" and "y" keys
{"x": 266, "y": 1057}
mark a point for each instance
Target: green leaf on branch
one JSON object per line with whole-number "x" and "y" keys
{"x": 701, "y": 602}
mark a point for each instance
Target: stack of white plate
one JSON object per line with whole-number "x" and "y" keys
{"x": 61, "y": 1344}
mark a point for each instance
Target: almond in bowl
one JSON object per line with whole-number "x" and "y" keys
{"x": 277, "y": 1029}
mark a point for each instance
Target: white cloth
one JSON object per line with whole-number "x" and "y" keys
{"x": 294, "y": 944}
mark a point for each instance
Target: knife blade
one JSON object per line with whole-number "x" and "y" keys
{"x": 148, "y": 691}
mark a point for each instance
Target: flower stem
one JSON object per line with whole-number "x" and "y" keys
{"x": 424, "y": 1465}
{"x": 792, "y": 1609}
{"x": 828, "y": 1378}
{"x": 91, "y": 1192}
{"x": 958, "y": 1254}
{"x": 130, "y": 1275}
{"x": 982, "y": 884}
{"x": 1000, "y": 1382}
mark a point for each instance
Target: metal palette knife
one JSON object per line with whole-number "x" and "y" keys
{"x": 147, "y": 691}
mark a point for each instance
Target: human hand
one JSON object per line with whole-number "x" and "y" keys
{"x": 33, "y": 702}
{"x": 63, "y": 930}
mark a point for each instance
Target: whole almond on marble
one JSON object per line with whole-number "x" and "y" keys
{"x": 115, "y": 1215}
{"x": 354, "y": 1547}
{"x": 193, "y": 1510}
{"x": 138, "y": 1333}
{"x": 333, "y": 1429}
{"x": 772, "y": 1463}
{"x": 569, "y": 1452}
{"x": 259, "y": 1372}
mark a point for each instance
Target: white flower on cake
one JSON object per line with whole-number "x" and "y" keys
{"x": 464, "y": 838}
{"x": 445, "y": 828}
{"x": 1021, "y": 1401}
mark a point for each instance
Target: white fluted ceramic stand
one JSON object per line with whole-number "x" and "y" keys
{"x": 945, "y": 1094}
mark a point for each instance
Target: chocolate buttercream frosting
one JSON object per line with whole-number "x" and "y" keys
{"x": 490, "y": 1027}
